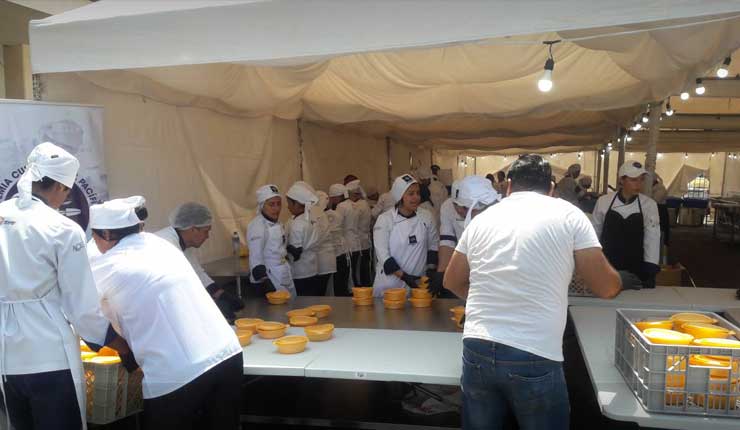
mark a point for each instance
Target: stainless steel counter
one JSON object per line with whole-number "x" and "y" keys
{"x": 346, "y": 315}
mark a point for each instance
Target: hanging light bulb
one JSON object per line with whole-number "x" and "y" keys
{"x": 712, "y": 154}
{"x": 686, "y": 155}
{"x": 723, "y": 71}
{"x": 636, "y": 126}
{"x": 645, "y": 117}
{"x": 668, "y": 109}
{"x": 685, "y": 95}
{"x": 580, "y": 154}
{"x": 545, "y": 82}
{"x": 699, "y": 87}
{"x": 660, "y": 155}
{"x": 628, "y": 138}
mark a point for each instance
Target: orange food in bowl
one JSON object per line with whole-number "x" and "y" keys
{"x": 394, "y": 304}
{"x": 667, "y": 337}
{"x": 363, "y": 301}
{"x": 702, "y": 330}
{"x": 107, "y": 352}
{"x": 303, "y": 321}
{"x": 301, "y": 312}
{"x": 665, "y": 324}
{"x": 417, "y": 293}
{"x": 248, "y": 323}
{"x": 271, "y": 330}
{"x": 362, "y": 292}
{"x": 245, "y": 337}
{"x": 319, "y": 333}
{"x": 421, "y": 303}
{"x": 395, "y": 294}
{"x": 322, "y": 311}
{"x": 291, "y": 344}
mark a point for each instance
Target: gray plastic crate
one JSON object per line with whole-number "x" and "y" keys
{"x": 663, "y": 377}
{"x": 112, "y": 392}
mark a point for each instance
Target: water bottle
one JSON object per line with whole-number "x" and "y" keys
{"x": 235, "y": 244}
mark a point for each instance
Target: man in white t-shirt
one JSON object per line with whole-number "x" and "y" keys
{"x": 513, "y": 264}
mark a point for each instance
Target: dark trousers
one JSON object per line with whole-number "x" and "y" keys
{"x": 322, "y": 283}
{"x": 307, "y": 286}
{"x": 44, "y": 400}
{"x": 355, "y": 260}
{"x": 366, "y": 271}
{"x": 210, "y": 401}
{"x": 341, "y": 278}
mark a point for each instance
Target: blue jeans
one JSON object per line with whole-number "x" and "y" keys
{"x": 497, "y": 379}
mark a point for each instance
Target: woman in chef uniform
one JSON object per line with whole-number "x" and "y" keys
{"x": 329, "y": 224}
{"x": 303, "y": 238}
{"x": 337, "y": 197}
{"x": 406, "y": 239}
{"x": 361, "y": 260}
{"x": 268, "y": 264}
{"x": 190, "y": 357}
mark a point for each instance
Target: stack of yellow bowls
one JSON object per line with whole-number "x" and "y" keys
{"x": 394, "y": 298}
{"x": 278, "y": 297}
{"x": 690, "y": 317}
{"x": 704, "y": 330}
{"x": 362, "y": 296}
{"x": 420, "y": 298}
{"x": 322, "y": 311}
{"x": 271, "y": 330}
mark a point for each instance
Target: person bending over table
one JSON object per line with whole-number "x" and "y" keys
{"x": 513, "y": 264}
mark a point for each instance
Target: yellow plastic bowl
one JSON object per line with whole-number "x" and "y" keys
{"x": 720, "y": 363}
{"x": 84, "y": 347}
{"x": 458, "y": 311}
{"x": 322, "y": 311}
{"x": 245, "y": 337}
{"x": 642, "y": 325}
{"x": 667, "y": 337}
{"x": 319, "y": 333}
{"x": 271, "y": 330}
{"x": 395, "y": 294}
{"x": 291, "y": 344}
{"x": 362, "y": 292}
{"x": 248, "y": 323}
{"x": 717, "y": 343}
{"x": 702, "y": 330}
{"x": 421, "y": 303}
{"x": 278, "y": 297}
{"x": 417, "y": 293}
{"x": 303, "y": 321}
{"x": 300, "y": 313}
{"x": 363, "y": 301}
{"x": 106, "y": 360}
{"x": 394, "y": 304}
{"x": 87, "y": 355}
{"x": 686, "y": 317}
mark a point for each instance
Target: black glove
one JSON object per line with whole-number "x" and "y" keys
{"x": 436, "y": 283}
{"x": 294, "y": 252}
{"x": 630, "y": 281}
{"x": 129, "y": 361}
{"x": 410, "y": 280}
{"x": 267, "y": 286}
{"x": 649, "y": 271}
{"x": 235, "y": 302}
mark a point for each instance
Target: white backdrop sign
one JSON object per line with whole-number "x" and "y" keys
{"x": 77, "y": 129}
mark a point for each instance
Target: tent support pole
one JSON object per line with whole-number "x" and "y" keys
{"x": 597, "y": 171}
{"x": 605, "y": 185}
{"x": 300, "y": 149}
{"x": 621, "y": 144}
{"x": 651, "y": 152}
{"x": 390, "y": 163}
{"x": 475, "y": 165}
{"x": 724, "y": 175}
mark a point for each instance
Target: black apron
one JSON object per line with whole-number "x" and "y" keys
{"x": 622, "y": 240}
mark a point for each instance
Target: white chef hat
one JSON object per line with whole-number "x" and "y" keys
{"x": 323, "y": 199}
{"x": 632, "y": 169}
{"x": 46, "y": 160}
{"x": 355, "y": 187}
{"x": 117, "y": 213}
{"x": 455, "y": 186}
{"x": 475, "y": 192}
{"x": 304, "y": 194}
{"x": 424, "y": 173}
{"x": 265, "y": 193}
{"x": 336, "y": 190}
{"x": 400, "y": 185}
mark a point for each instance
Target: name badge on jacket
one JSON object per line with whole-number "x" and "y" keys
{"x": 412, "y": 240}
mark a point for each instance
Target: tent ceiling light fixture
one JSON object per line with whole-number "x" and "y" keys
{"x": 685, "y": 95}
{"x": 545, "y": 82}
{"x": 636, "y": 126}
{"x": 699, "y": 87}
{"x": 723, "y": 71}
{"x": 668, "y": 109}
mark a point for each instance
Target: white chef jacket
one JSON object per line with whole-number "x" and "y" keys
{"x": 407, "y": 240}
{"x": 304, "y": 233}
{"x": 364, "y": 223}
{"x": 651, "y": 221}
{"x": 327, "y": 254}
{"x": 385, "y": 202}
{"x": 350, "y": 220}
{"x": 151, "y": 293}
{"x": 336, "y": 233}
{"x": 267, "y": 241}
{"x": 45, "y": 285}
{"x": 170, "y": 235}
{"x": 437, "y": 194}
{"x": 451, "y": 226}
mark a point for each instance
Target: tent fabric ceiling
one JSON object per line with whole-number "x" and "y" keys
{"x": 470, "y": 85}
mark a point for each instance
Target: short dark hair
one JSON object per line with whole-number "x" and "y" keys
{"x": 530, "y": 172}
{"x": 120, "y": 233}
{"x": 500, "y": 175}
{"x": 46, "y": 183}
{"x": 435, "y": 168}
{"x": 349, "y": 178}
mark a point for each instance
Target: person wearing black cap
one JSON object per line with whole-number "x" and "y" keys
{"x": 628, "y": 226}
